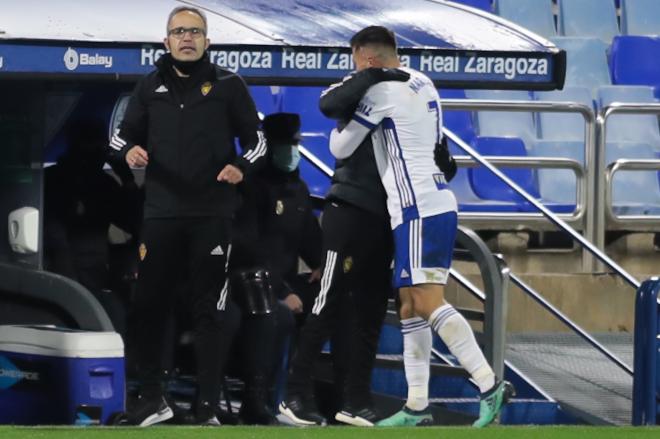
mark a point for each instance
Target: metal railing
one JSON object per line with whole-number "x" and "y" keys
{"x": 626, "y": 221}
{"x": 495, "y": 278}
{"x": 602, "y": 203}
{"x": 484, "y": 219}
{"x": 545, "y": 211}
{"x": 594, "y": 223}
{"x": 568, "y": 322}
{"x": 589, "y": 117}
{"x": 593, "y": 212}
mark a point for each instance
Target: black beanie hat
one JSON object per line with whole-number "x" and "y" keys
{"x": 282, "y": 128}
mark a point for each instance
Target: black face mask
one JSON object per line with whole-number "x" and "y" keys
{"x": 187, "y": 67}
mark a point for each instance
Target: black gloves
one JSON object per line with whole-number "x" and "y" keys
{"x": 444, "y": 160}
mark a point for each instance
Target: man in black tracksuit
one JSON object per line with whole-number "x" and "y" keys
{"x": 274, "y": 227}
{"x": 181, "y": 123}
{"x": 358, "y": 247}
{"x": 276, "y": 223}
{"x": 358, "y": 250}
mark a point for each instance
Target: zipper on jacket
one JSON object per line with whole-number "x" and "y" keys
{"x": 181, "y": 137}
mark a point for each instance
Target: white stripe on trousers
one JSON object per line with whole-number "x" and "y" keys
{"x": 326, "y": 280}
{"x": 222, "y": 302}
{"x": 415, "y": 243}
{"x": 418, "y": 236}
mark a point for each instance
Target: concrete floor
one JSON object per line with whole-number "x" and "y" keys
{"x": 600, "y": 302}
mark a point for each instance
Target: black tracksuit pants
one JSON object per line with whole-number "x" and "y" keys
{"x": 195, "y": 250}
{"x": 358, "y": 252}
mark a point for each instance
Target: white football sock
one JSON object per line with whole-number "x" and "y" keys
{"x": 417, "y": 342}
{"x": 455, "y": 331}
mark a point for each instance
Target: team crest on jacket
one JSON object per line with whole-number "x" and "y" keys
{"x": 279, "y": 207}
{"x": 348, "y": 264}
{"x": 143, "y": 251}
{"x": 206, "y": 88}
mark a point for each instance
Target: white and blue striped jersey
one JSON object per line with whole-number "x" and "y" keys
{"x": 406, "y": 123}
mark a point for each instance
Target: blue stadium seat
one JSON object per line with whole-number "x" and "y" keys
{"x": 587, "y": 18}
{"x": 484, "y": 5}
{"x": 635, "y": 60}
{"x": 558, "y": 186}
{"x": 634, "y": 192}
{"x": 488, "y": 186}
{"x": 264, "y": 99}
{"x": 586, "y": 62}
{"x": 468, "y": 201}
{"x": 563, "y": 126}
{"x": 640, "y": 17}
{"x": 535, "y": 15}
{"x": 504, "y": 123}
{"x": 305, "y": 101}
{"x": 630, "y": 127}
{"x": 460, "y": 123}
{"x": 560, "y": 135}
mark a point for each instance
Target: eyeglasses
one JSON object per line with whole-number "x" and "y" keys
{"x": 179, "y": 32}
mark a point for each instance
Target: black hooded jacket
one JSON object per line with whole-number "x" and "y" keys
{"x": 188, "y": 126}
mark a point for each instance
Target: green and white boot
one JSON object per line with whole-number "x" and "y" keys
{"x": 492, "y": 402}
{"x": 408, "y": 418}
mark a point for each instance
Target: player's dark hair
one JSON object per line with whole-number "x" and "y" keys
{"x": 374, "y": 35}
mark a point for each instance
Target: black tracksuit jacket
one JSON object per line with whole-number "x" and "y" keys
{"x": 274, "y": 226}
{"x": 356, "y": 180}
{"x": 188, "y": 127}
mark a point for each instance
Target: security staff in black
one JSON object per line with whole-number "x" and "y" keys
{"x": 181, "y": 123}
{"x": 274, "y": 227}
{"x": 276, "y": 223}
{"x": 358, "y": 246}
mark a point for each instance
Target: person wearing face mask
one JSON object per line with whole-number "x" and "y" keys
{"x": 274, "y": 227}
{"x": 180, "y": 124}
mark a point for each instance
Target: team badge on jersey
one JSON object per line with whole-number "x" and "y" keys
{"x": 143, "y": 251}
{"x": 206, "y": 88}
{"x": 348, "y": 264}
{"x": 433, "y": 275}
{"x": 279, "y": 207}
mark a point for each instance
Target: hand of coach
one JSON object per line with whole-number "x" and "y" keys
{"x": 138, "y": 157}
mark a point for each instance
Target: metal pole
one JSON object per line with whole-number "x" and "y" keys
{"x": 550, "y": 215}
{"x": 600, "y": 169}
{"x": 579, "y": 331}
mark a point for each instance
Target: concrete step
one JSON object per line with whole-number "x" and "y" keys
{"x": 600, "y": 302}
